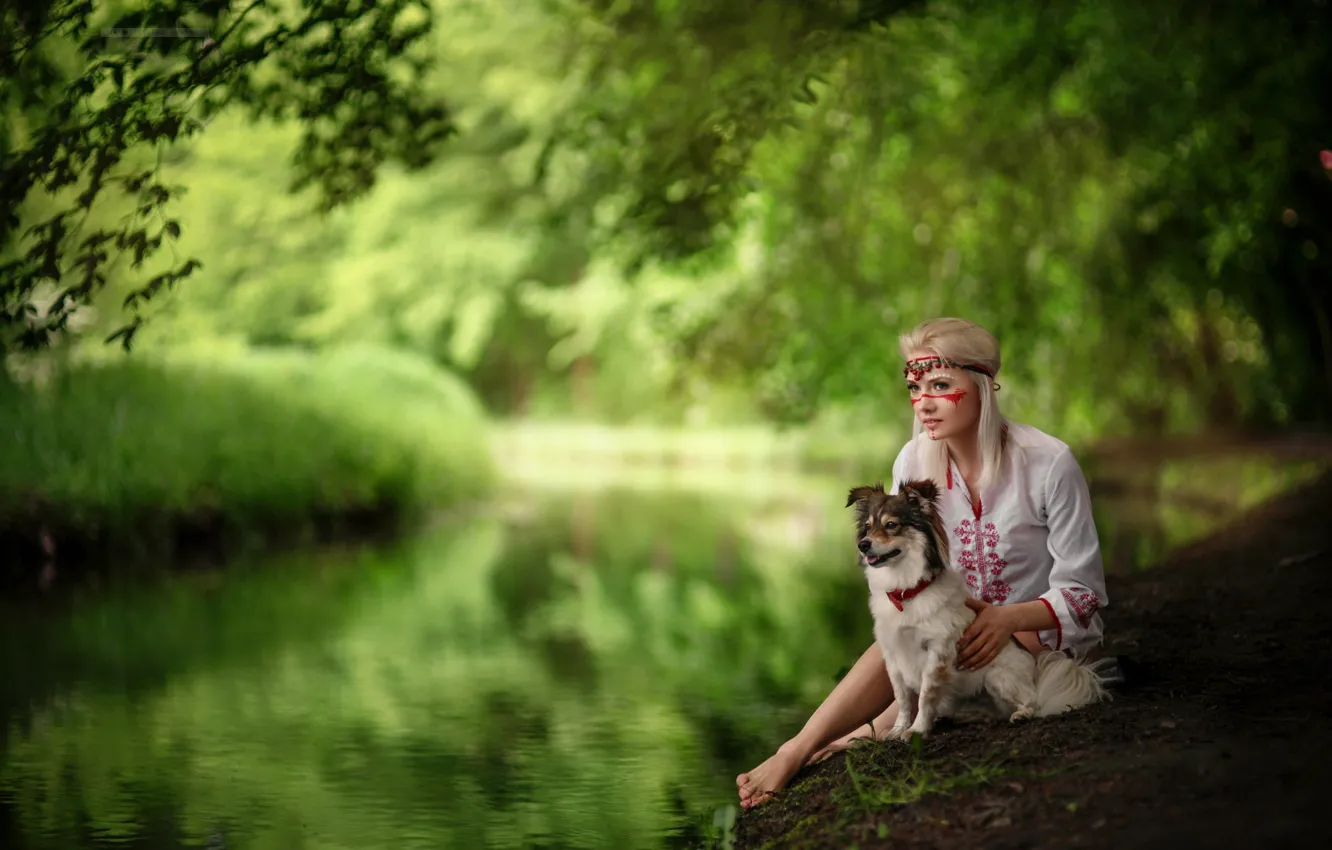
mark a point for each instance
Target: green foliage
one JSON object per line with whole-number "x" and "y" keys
{"x": 676, "y": 97}
{"x": 1076, "y": 178}
{"x": 472, "y": 262}
{"x": 649, "y": 205}
{"x": 128, "y": 451}
{"x": 97, "y": 86}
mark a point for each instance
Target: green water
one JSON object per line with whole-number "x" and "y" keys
{"x": 588, "y": 671}
{"x": 570, "y": 669}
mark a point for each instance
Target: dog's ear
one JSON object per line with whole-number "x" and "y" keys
{"x": 862, "y": 493}
{"x": 924, "y": 491}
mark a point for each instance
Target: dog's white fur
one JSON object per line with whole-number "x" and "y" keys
{"x": 919, "y": 645}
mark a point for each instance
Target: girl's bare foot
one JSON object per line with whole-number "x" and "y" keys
{"x": 762, "y": 782}
{"x": 758, "y": 786}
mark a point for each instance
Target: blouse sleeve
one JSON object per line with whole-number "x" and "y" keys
{"x": 1077, "y": 578}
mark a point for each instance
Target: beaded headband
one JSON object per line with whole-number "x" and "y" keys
{"x": 918, "y": 367}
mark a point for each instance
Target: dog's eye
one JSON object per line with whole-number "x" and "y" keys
{"x": 890, "y": 525}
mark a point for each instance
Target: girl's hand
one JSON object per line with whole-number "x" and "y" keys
{"x": 985, "y": 637}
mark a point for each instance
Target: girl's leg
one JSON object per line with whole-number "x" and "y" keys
{"x": 880, "y": 724}
{"x": 863, "y": 693}
{"x": 885, "y": 721}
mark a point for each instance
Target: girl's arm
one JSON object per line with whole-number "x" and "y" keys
{"x": 1063, "y": 616}
{"x": 1077, "y": 579}
{"x": 1031, "y": 616}
{"x": 983, "y": 639}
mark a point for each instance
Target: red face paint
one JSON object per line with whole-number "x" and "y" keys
{"x": 955, "y": 397}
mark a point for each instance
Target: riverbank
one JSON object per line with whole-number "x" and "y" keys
{"x": 139, "y": 459}
{"x": 1221, "y": 739}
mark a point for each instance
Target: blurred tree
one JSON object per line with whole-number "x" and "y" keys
{"x": 677, "y": 94}
{"x": 93, "y": 84}
{"x": 1131, "y": 196}
{"x": 470, "y": 261}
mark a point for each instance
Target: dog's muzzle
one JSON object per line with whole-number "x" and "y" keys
{"x": 873, "y": 560}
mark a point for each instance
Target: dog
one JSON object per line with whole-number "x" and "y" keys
{"x": 919, "y": 608}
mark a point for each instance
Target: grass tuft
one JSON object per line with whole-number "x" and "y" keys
{"x": 138, "y": 453}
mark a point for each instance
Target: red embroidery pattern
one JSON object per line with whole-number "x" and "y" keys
{"x": 1083, "y": 602}
{"x": 980, "y": 562}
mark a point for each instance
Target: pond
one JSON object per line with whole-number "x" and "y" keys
{"x": 584, "y": 665}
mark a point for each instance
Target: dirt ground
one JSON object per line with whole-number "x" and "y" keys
{"x": 1222, "y": 739}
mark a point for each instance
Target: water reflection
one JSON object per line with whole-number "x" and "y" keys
{"x": 1145, "y": 510}
{"x": 585, "y": 676}
{"x": 588, "y": 669}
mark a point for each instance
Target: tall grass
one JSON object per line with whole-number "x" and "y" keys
{"x": 135, "y": 450}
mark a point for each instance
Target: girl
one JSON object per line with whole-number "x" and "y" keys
{"x": 1018, "y": 514}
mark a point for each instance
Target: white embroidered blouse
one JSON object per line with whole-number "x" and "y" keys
{"x": 1033, "y": 537}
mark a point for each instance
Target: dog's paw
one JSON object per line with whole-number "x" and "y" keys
{"x": 898, "y": 733}
{"x": 1024, "y": 713}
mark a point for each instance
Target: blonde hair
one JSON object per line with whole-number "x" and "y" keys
{"x": 963, "y": 343}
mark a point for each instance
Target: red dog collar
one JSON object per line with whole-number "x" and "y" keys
{"x": 897, "y": 597}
